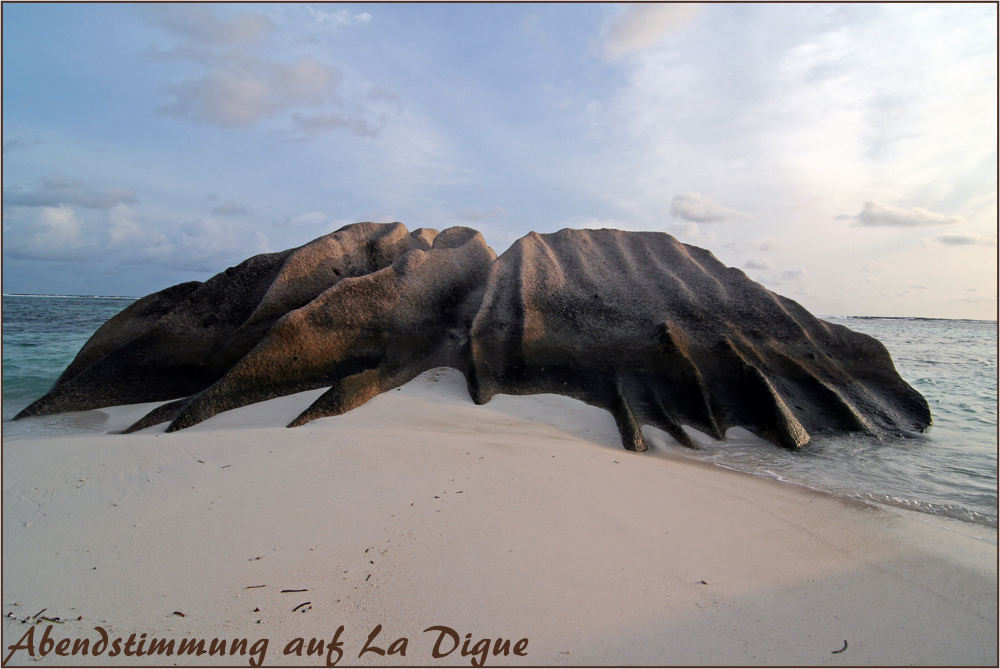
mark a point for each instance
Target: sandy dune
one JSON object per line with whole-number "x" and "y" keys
{"x": 523, "y": 518}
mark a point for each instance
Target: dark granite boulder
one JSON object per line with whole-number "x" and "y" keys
{"x": 662, "y": 333}
{"x": 657, "y": 332}
{"x": 363, "y": 336}
{"x": 209, "y": 327}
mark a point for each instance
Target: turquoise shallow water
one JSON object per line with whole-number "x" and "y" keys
{"x": 41, "y": 336}
{"x": 951, "y": 470}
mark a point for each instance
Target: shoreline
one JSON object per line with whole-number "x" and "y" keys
{"x": 522, "y": 518}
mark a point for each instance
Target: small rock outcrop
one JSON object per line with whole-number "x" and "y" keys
{"x": 657, "y": 332}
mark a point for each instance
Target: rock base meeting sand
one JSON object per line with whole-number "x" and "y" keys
{"x": 520, "y": 519}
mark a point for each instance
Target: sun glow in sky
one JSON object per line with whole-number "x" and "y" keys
{"x": 842, "y": 155}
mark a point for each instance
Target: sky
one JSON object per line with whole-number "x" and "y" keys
{"x": 844, "y": 156}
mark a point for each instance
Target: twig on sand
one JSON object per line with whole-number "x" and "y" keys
{"x": 301, "y": 605}
{"x": 842, "y": 649}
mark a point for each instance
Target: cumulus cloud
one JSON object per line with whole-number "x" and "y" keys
{"x": 697, "y": 208}
{"x": 59, "y": 190}
{"x": 876, "y": 214}
{"x": 58, "y": 227}
{"x": 233, "y": 208}
{"x": 18, "y": 142}
{"x": 123, "y": 226}
{"x": 46, "y": 233}
{"x": 641, "y": 26}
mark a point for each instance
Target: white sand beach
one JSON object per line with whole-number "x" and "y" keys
{"x": 520, "y": 519}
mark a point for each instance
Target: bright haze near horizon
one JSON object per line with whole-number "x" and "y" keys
{"x": 842, "y": 155}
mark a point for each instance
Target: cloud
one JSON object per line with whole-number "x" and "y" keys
{"x": 310, "y": 218}
{"x": 57, "y": 227}
{"x": 123, "y": 228}
{"x": 59, "y": 190}
{"x": 642, "y": 25}
{"x": 798, "y": 276}
{"x": 338, "y": 18}
{"x": 692, "y": 233}
{"x": 759, "y": 263}
{"x": 379, "y": 94}
{"x": 876, "y": 214}
{"x": 979, "y": 299}
{"x": 199, "y": 28}
{"x": 19, "y": 142}
{"x": 771, "y": 244}
{"x": 232, "y": 208}
{"x": 530, "y": 26}
{"x": 246, "y": 90}
{"x": 809, "y": 113}
{"x": 961, "y": 240}
{"x": 240, "y": 88}
{"x": 792, "y": 276}
{"x": 699, "y": 209}
{"x": 311, "y": 125}
{"x": 47, "y": 233}
{"x": 203, "y": 245}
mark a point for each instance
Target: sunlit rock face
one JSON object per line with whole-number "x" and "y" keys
{"x": 657, "y": 332}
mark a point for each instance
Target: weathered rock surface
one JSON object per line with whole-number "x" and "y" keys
{"x": 663, "y": 334}
{"x": 657, "y": 332}
{"x": 186, "y": 337}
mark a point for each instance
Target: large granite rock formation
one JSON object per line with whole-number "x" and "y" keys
{"x": 657, "y": 332}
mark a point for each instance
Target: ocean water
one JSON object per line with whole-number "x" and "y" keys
{"x": 41, "y": 336}
{"x": 949, "y": 471}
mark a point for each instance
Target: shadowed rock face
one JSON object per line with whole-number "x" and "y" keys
{"x": 657, "y": 332}
{"x": 662, "y": 333}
